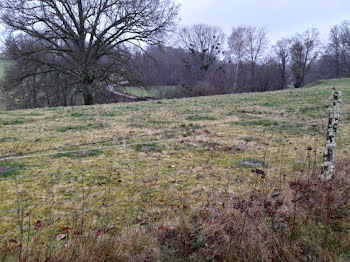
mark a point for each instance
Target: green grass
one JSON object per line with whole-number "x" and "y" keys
{"x": 210, "y": 137}
{"x": 153, "y": 147}
{"x": 10, "y": 169}
{"x": 83, "y": 154}
{"x": 251, "y": 163}
{"x": 8, "y": 139}
{"x": 81, "y": 127}
{"x": 11, "y": 122}
{"x": 201, "y": 118}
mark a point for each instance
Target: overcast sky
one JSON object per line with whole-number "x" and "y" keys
{"x": 282, "y": 18}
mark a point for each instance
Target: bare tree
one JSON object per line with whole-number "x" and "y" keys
{"x": 334, "y": 47}
{"x": 281, "y": 51}
{"x": 87, "y": 40}
{"x": 205, "y": 44}
{"x": 237, "y": 48}
{"x": 304, "y": 52}
{"x": 257, "y": 44}
{"x": 248, "y": 43}
{"x": 339, "y": 48}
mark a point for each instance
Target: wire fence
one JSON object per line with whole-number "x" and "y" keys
{"x": 134, "y": 187}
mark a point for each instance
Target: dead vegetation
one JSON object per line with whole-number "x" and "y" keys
{"x": 174, "y": 190}
{"x": 306, "y": 220}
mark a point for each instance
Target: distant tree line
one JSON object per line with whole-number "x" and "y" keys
{"x": 204, "y": 61}
{"x": 78, "y": 52}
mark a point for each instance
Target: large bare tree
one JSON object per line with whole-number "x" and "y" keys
{"x": 304, "y": 52}
{"x": 205, "y": 44}
{"x": 237, "y": 49}
{"x": 282, "y": 55}
{"x": 248, "y": 43}
{"x": 257, "y": 45}
{"x": 339, "y": 48}
{"x": 86, "y": 40}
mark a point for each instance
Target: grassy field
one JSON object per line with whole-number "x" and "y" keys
{"x": 152, "y": 91}
{"x": 148, "y": 157}
{"x": 4, "y": 63}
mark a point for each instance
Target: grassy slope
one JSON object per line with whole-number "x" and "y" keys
{"x": 211, "y": 135}
{"x": 152, "y": 91}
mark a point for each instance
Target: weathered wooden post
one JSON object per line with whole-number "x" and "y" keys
{"x": 333, "y": 121}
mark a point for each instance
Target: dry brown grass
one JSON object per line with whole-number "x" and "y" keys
{"x": 307, "y": 220}
{"x": 189, "y": 199}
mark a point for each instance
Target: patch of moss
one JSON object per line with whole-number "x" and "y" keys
{"x": 81, "y": 128}
{"x": 8, "y": 139}
{"x": 159, "y": 122}
{"x": 314, "y": 111}
{"x": 191, "y": 126}
{"x": 25, "y": 114}
{"x": 201, "y": 118}
{"x": 76, "y": 114}
{"x": 80, "y": 154}
{"x": 251, "y": 163}
{"x": 11, "y": 122}
{"x": 137, "y": 125}
{"x": 153, "y": 147}
{"x": 110, "y": 114}
{"x": 250, "y": 139}
{"x": 10, "y": 169}
{"x": 263, "y": 122}
{"x": 281, "y": 126}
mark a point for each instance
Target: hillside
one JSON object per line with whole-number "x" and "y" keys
{"x": 148, "y": 157}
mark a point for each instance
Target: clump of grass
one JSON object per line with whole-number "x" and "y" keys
{"x": 250, "y": 139}
{"x": 201, "y": 118}
{"x": 20, "y": 114}
{"x": 153, "y": 147}
{"x": 261, "y": 122}
{"x": 76, "y": 114}
{"x": 79, "y": 154}
{"x": 12, "y": 122}
{"x": 137, "y": 125}
{"x": 281, "y": 126}
{"x": 160, "y": 122}
{"x": 150, "y": 123}
{"x": 110, "y": 114}
{"x": 53, "y": 109}
{"x": 251, "y": 163}
{"x": 191, "y": 126}
{"x": 8, "y": 139}
{"x": 81, "y": 128}
{"x": 10, "y": 169}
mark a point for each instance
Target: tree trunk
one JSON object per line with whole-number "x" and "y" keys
{"x": 87, "y": 93}
{"x": 235, "y": 85}
{"x": 299, "y": 79}
{"x": 253, "y": 77}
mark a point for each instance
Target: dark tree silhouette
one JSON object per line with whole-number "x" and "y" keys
{"x": 205, "y": 45}
{"x": 86, "y": 41}
{"x": 303, "y": 54}
{"x": 281, "y": 50}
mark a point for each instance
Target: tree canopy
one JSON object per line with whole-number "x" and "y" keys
{"x": 84, "y": 40}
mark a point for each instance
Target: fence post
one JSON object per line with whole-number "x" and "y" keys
{"x": 332, "y": 130}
